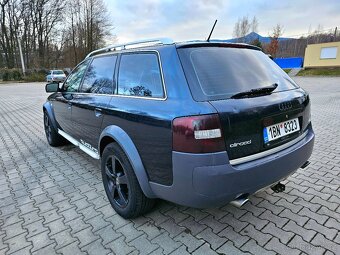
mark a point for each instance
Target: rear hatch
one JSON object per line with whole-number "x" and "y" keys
{"x": 235, "y": 81}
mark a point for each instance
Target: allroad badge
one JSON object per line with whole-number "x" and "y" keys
{"x": 285, "y": 106}
{"x": 233, "y": 145}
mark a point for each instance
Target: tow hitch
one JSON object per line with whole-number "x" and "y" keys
{"x": 279, "y": 187}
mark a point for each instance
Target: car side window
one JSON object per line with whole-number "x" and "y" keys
{"x": 140, "y": 75}
{"x": 99, "y": 76}
{"x": 74, "y": 79}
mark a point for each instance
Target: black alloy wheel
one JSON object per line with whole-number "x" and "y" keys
{"x": 48, "y": 128}
{"x": 52, "y": 136}
{"x": 117, "y": 181}
{"x": 121, "y": 184}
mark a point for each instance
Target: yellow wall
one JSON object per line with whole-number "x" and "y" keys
{"x": 312, "y": 55}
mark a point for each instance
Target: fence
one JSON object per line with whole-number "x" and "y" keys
{"x": 286, "y": 63}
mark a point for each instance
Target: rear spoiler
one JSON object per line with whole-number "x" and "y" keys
{"x": 216, "y": 44}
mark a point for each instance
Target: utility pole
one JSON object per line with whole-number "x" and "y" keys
{"x": 21, "y": 57}
{"x": 335, "y": 33}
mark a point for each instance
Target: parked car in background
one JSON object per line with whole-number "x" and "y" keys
{"x": 196, "y": 123}
{"x": 55, "y": 75}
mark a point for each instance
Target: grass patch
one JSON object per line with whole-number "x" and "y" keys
{"x": 320, "y": 72}
{"x": 287, "y": 70}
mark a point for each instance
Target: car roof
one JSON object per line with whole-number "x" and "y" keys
{"x": 151, "y": 44}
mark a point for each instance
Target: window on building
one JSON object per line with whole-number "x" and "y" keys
{"x": 328, "y": 52}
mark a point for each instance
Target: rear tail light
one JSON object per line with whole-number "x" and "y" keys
{"x": 198, "y": 134}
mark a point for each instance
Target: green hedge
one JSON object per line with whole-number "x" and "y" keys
{"x": 35, "y": 77}
{"x": 16, "y": 75}
{"x": 10, "y": 75}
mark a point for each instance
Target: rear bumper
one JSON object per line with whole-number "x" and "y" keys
{"x": 208, "y": 180}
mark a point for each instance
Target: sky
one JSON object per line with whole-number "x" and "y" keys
{"x": 190, "y": 20}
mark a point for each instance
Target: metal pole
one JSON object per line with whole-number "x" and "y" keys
{"x": 335, "y": 33}
{"x": 21, "y": 57}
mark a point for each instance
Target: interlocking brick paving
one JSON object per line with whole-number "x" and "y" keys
{"x": 52, "y": 199}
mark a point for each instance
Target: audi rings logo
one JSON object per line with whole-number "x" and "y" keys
{"x": 285, "y": 106}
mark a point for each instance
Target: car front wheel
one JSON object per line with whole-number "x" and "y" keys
{"x": 53, "y": 138}
{"x": 121, "y": 184}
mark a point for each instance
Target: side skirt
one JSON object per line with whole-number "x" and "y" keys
{"x": 81, "y": 146}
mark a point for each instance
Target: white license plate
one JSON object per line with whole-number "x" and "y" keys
{"x": 281, "y": 129}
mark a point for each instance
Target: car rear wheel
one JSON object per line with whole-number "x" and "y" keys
{"x": 121, "y": 184}
{"x": 53, "y": 138}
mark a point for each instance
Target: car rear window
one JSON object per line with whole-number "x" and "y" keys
{"x": 215, "y": 73}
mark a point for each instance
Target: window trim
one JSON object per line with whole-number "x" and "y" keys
{"x": 165, "y": 96}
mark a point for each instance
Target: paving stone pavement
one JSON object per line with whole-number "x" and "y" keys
{"x": 52, "y": 200}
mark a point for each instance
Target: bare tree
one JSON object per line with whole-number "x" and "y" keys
{"x": 51, "y": 32}
{"x": 243, "y": 26}
{"x": 32, "y": 21}
{"x": 89, "y": 25}
{"x": 7, "y": 44}
{"x": 254, "y": 25}
{"x": 47, "y": 15}
{"x": 295, "y": 47}
{"x": 318, "y": 31}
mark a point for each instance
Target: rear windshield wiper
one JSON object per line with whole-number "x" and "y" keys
{"x": 255, "y": 92}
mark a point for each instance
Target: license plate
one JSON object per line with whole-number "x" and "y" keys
{"x": 281, "y": 129}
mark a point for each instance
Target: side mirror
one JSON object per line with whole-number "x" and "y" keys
{"x": 52, "y": 87}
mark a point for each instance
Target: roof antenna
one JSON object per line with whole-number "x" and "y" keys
{"x": 211, "y": 31}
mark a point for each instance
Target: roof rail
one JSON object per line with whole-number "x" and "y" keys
{"x": 131, "y": 45}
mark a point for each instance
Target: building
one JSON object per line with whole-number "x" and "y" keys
{"x": 322, "y": 55}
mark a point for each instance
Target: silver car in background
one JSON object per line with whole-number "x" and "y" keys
{"x": 55, "y": 75}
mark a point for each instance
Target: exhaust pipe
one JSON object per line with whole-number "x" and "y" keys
{"x": 240, "y": 201}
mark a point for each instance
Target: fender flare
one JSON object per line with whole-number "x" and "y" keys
{"x": 48, "y": 108}
{"x": 125, "y": 142}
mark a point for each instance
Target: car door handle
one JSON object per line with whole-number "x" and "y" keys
{"x": 98, "y": 112}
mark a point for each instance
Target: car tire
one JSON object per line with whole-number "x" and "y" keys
{"x": 52, "y": 136}
{"x": 121, "y": 185}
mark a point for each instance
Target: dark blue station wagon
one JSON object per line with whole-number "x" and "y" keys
{"x": 196, "y": 123}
